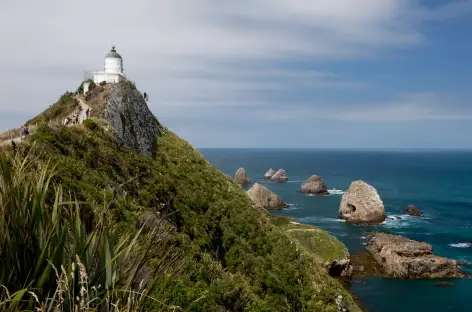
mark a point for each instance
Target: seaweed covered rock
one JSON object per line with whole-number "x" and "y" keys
{"x": 241, "y": 177}
{"x": 361, "y": 204}
{"x": 262, "y": 197}
{"x": 134, "y": 125}
{"x": 280, "y": 176}
{"x": 314, "y": 185}
{"x": 409, "y": 259}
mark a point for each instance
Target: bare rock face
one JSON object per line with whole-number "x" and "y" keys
{"x": 314, "y": 185}
{"x": 280, "y": 176}
{"x": 404, "y": 258}
{"x": 262, "y": 197}
{"x": 413, "y": 211}
{"x": 362, "y": 205}
{"x": 134, "y": 124}
{"x": 269, "y": 174}
{"x": 241, "y": 177}
{"x": 341, "y": 267}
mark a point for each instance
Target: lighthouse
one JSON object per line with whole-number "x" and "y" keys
{"x": 113, "y": 71}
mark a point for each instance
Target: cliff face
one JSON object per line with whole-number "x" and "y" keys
{"x": 134, "y": 124}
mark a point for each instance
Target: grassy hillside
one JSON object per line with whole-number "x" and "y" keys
{"x": 215, "y": 252}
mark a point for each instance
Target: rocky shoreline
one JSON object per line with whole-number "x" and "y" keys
{"x": 385, "y": 255}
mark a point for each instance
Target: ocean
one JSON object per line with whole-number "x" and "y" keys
{"x": 439, "y": 183}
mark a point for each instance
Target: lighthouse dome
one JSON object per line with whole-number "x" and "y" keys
{"x": 113, "y": 54}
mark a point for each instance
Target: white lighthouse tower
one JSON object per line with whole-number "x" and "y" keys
{"x": 113, "y": 72}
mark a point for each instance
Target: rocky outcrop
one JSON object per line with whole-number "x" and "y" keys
{"x": 342, "y": 268}
{"x": 361, "y": 204}
{"x": 134, "y": 124}
{"x": 413, "y": 211}
{"x": 314, "y": 185}
{"x": 241, "y": 177}
{"x": 262, "y": 197}
{"x": 404, "y": 258}
{"x": 269, "y": 174}
{"x": 280, "y": 176}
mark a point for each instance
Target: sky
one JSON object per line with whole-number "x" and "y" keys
{"x": 257, "y": 73}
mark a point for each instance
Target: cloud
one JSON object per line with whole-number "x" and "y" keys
{"x": 405, "y": 107}
{"x": 210, "y": 58}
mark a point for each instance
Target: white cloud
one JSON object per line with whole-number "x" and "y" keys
{"x": 203, "y": 54}
{"x": 406, "y": 107}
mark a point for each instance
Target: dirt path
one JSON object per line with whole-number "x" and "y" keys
{"x": 82, "y": 116}
{"x": 83, "y": 110}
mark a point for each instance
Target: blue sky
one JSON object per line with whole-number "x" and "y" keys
{"x": 258, "y": 73}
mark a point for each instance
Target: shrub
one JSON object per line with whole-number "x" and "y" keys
{"x": 103, "y": 83}
{"x": 92, "y": 85}
{"x": 90, "y": 124}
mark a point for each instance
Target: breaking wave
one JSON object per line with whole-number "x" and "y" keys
{"x": 461, "y": 245}
{"x": 336, "y": 192}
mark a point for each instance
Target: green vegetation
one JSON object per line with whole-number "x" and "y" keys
{"x": 324, "y": 246}
{"x": 50, "y": 255}
{"x": 58, "y": 111}
{"x": 215, "y": 251}
{"x": 103, "y": 83}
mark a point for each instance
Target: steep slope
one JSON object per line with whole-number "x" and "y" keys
{"x": 234, "y": 257}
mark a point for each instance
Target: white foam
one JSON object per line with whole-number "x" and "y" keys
{"x": 461, "y": 245}
{"x": 336, "y": 192}
{"x": 292, "y": 207}
{"x": 362, "y": 237}
{"x": 318, "y": 219}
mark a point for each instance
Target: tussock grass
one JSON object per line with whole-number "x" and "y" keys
{"x": 51, "y": 260}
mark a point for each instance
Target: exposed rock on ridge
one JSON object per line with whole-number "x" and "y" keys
{"x": 408, "y": 259}
{"x": 134, "y": 124}
{"x": 361, "y": 204}
{"x": 314, "y": 185}
{"x": 241, "y": 177}
{"x": 262, "y": 197}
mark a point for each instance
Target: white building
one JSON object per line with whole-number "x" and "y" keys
{"x": 113, "y": 72}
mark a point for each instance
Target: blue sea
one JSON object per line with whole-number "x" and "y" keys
{"x": 439, "y": 183}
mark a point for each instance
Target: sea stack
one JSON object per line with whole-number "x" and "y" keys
{"x": 241, "y": 177}
{"x": 404, "y": 258}
{"x": 413, "y": 211}
{"x": 314, "y": 185}
{"x": 262, "y": 197}
{"x": 279, "y": 177}
{"x": 269, "y": 174}
{"x": 361, "y": 204}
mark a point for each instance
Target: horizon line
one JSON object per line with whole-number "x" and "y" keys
{"x": 344, "y": 148}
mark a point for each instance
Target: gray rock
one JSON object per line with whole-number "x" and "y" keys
{"x": 404, "y": 258}
{"x": 262, "y": 197}
{"x": 413, "y": 211}
{"x": 314, "y": 185}
{"x": 134, "y": 125}
{"x": 361, "y": 204}
{"x": 280, "y": 176}
{"x": 241, "y": 177}
{"x": 269, "y": 174}
{"x": 340, "y": 267}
